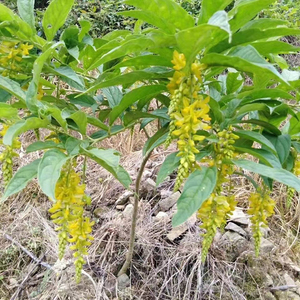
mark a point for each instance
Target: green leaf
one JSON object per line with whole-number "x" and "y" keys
{"x": 128, "y": 79}
{"x": 82, "y": 100}
{"x": 55, "y": 16}
{"x": 169, "y": 165}
{"x": 145, "y": 60}
{"x": 97, "y": 123}
{"x": 26, "y": 11}
{"x": 269, "y": 127}
{"x": 233, "y": 82}
{"x": 143, "y": 92}
{"x": 201, "y": 37}
{"x": 208, "y": 8}
{"x": 256, "y": 137}
{"x": 39, "y": 145}
{"x": 274, "y": 47}
{"x": 12, "y": 87}
{"x": 134, "y": 45}
{"x": 198, "y": 187}
{"x": 108, "y": 159}
{"x": 265, "y": 156}
{"x": 294, "y": 125}
{"x": 277, "y": 174}
{"x": 8, "y": 112}
{"x": 56, "y": 113}
{"x": 282, "y": 144}
{"x": 244, "y": 11}
{"x": 38, "y": 65}
{"x": 22, "y": 126}
{"x": 113, "y": 95}
{"x": 156, "y": 140}
{"x": 21, "y": 179}
{"x": 80, "y": 119}
{"x": 69, "y": 76}
{"x": 245, "y": 59}
{"x": 49, "y": 171}
{"x": 131, "y": 116}
{"x": 167, "y": 10}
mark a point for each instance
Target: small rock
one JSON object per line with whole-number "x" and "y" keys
{"x": 217, "y": 237}
{"x": 239, "y": 217}
{"x": 120, "y": 207}
{"x": 266, "y": 246}
{"x": 13, "y": 282}
{"x": 288, "y": 279}
{"x": 123, "y": 282}
{"x": 131, "y": 200}
{"x": 265, "y": 231}
{"x": 169, "y": 202}
{"x": 179, "y": 230}
{"x": 162, "y": 216}
{"x": 100, "y": 211}
{"x": 165, "y": 194}
{"x": 123, "y": 199}
{"x": 269, "y": 281}
{"x": 127, "y": 213}
{"x": 150, "y": 184}
{"x": 235, "y": 228}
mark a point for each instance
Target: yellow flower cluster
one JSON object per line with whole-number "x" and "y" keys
{"x": 7, "y": 155}
{"x": 188, "y": 111}
{"x": 297, "y": 166}
{"x": 11, "y": 54}
{"x": 68, "y": 213}
{"x": 213, "y": 214}
{"x": 261, "y": 206}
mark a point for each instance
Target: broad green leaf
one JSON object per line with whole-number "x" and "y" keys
{"x": 294, "y": 125}
{"x": 12, "y": 87}
{"x": 68, "y": 75}
{"x": 198, "y": 187}
{"x": 208, "y": 8}
{"x": 85, "y": 28}
{"x": 245, "y": 11}
{"x": 82, "y": 100}
{"x": 246, "y": 108}
{"x": 128, "y": 79}
{"x": 73, "y": 146}
{"x": 55, "y": 16}
{"x": 201, "y": 37}
{"x": 49, "y": 171}
{"x": 113, "y": 95}
{"x": 39, "y": 145}
{"x": 133, "y": 45}
{"x": 167, "y": 10}
{"x": 256, "y": 137}
{"x": 265, "y": 156}
{"x": 4, "y": 96}
{"x": 254, "y": 35}
{"x": 145, "y": 60}
{"x": 56, "y": 113}
{"x": 233, "y": 82}
{"x": 170, "y": 164}
{"x": 269, "y": 127}
{"x": 38, "y": 65}
{"x": 264, "y": 23}
{"x": 109, "y": 159}
{"x": 277, "y": 174}
{"x": 282, "y": 144}
{"x": 264, "y": 94}
{"x": 80, "y": 119}
{"x": 97, "y": 123}
{"x": 156, "y": 140}
{"x": 23, "y": 126}
{"x": 131, "y": 97}
{"x": 26, "y": 11}
{"x": 21, "y": 179}
{"x": 245, "y": 59}
{"x": 274, "y": 47}
{"x": 8, "y": 112}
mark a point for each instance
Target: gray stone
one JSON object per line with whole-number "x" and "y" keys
{"x": 100, "y": 212}
{"x": 162, "y": 216}
{"x": 288, "y": 279}
{"x": 169, "y": 202}
{"x": 239, "y": 217}
{"x": 265, "y": 231}
{"x": 234, "y": 227}
{"x": 179, "y": 230}
{"x": 123, "y": 282}
{"x": 127, "y": 213}
{"x": 150, "y": 184}
{"x": 266, "y": 246}
{"x": 120, "y": 207}
{"x": 165, "y": 194}
{"x": 123, "y": 199}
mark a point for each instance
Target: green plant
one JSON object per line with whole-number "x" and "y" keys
{"x": 196, "y": 73}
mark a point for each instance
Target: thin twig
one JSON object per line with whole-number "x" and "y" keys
{"x": 134, "y": 216}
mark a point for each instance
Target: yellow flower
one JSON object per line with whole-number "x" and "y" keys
{"x": 25, "y": 48}
{"x": 178, "y": 61}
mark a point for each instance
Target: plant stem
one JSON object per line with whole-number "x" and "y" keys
{"x": 129, "y": 254}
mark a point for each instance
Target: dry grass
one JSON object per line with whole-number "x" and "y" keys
{"x": 160, "y": 270}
